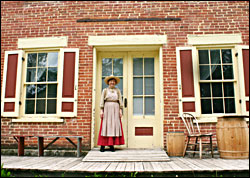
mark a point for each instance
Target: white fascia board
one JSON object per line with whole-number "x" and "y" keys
{"x": 214, "y": 39}
{"x": 43, "y": 42}
{"x": 127, "y": 40}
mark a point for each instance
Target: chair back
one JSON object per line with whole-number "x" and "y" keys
{"x": 189, "y": 120}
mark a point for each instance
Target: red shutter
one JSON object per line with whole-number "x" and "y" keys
{"x": 245, "y": 54}
{"x": 185, "y": 80}
{"x": 11, "y": 83}
{"x": 69, "y": 82}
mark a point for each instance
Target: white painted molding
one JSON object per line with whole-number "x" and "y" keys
{"x": 127, "y": 40}
{"x": 214, "y": 39}
{"x": 43, "y": 42}
{"x": 33, "y": 119}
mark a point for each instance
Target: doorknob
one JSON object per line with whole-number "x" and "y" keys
{"x": 125, "y": 102}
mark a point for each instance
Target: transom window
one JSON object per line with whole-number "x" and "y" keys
{"x": 216, "y": 81}
{"x": 41, "y": 83}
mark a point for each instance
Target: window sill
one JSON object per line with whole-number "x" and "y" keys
{"x": 50, "y": 119}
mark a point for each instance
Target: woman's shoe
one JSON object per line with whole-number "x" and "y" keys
{"x": 112, "y": 148}
{"x": 102, "y": 149}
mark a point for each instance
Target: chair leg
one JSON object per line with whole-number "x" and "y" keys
{"x": 196, "y": 141}
{"x": 185, "y": 149}
{"x": 200, "y": 147}
{"x": 211, "y": 146}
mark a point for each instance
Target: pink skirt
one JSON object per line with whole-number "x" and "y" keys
{"x": 108, "y": 141}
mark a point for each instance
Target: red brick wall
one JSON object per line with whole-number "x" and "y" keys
{"x": 21, "y": 19}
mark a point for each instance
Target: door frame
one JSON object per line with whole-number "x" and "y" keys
{"x": 129, "y": 48}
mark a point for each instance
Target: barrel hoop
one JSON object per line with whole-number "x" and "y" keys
{"x": 232, "y": 157}
{"x": 225, "y": 151}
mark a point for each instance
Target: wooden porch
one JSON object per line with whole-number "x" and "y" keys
{"x": 136, "y": 161}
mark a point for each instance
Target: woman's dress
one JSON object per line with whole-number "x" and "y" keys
{"x": 111, "y": 132}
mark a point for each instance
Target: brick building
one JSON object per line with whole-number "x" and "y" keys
{"x": 171, "y": 56}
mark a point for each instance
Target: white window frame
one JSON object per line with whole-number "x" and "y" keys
{"x": 213, "y": 116}
{"x": 37, "y": 117}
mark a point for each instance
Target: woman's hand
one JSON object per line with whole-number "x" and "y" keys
{"x": 101, "y": 114}
{"x": 120, "y": 113}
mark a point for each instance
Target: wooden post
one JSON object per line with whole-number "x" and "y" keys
{"x": 20, "y": 146}
{"x": 40, "y": 146}
{"x": 79, "y": 146}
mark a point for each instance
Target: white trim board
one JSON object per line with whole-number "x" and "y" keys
{"x": 43, "y": 42}
{"x": 127, "y": 40}
{"x": 214, "y": 39}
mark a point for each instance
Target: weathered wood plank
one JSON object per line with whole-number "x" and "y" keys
{"x": 176, "y": 164}
{"x": 148, "y": 166}
{"x": 112, "y": 166}
{"x": 121, "y": 167}
{"x": 165, "y": 166}
{"x": 130, "y": 167}
{"x": 157, "y": 166}
{"x": 139, "y": 167}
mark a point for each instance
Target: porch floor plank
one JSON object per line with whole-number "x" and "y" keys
{"x": 126, "y": 155}
{"x": 72, "y": 164}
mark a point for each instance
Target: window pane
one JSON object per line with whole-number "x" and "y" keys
{"x": 106, "y": 66}
{"x": 203, "y": 57}
{"x": 229, "y": 105}
{"x": 137, "y": 66}
{"x": 226, "y": 56}
{"x": 206, "y": 106}
{"x": 215, "y": 56}
{"x": 41, "y": 74}
{"x": 228, "y": 89}
{"x": 205, "y": 72}
{"x": 118, "y": 67}
{"x": 52, "y": 91}
{"x": 205, "y": 90}
{"x": 42, "y": 59}
{"x": 149, "y": 106}
{"x": 29, "y": 106}
{"x": 120, "y": 85}
{"x": 31, "y": 75}
{"x": 138, "y": 86}
{"x": 137, "y": 106}
{"x": 228, "y": 72}
{"x": 218, "y": 106}
{"x": 216, "y": 72}
{"x": 149, "y": 86}
{"x": 217, "y": 89}
{"x": 51, "y": 107}
{"x": 30, "y": 91}
{"x": 40, "y": 107}
{"x": 41, "y": 91}
{"x": 148, "y": 66}
{"x": 52, "y": 59}
{"x": 104, "y": 85}
{"x": 32, "y": 60}
{"x": 52, "y": 74}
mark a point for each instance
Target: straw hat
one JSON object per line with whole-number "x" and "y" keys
{"x": 111, "y": 77}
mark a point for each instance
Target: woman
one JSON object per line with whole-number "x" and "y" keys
{"x": 111, "y": 132}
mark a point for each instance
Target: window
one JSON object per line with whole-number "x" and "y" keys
{"x": 143, "y": 86}
{"x": 41, "y": 83}
{"x": 217, "y": 81}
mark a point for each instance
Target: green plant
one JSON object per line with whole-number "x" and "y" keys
{"x": 4, "y": 172}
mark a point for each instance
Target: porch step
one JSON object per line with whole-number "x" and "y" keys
{"x": 127, "y": 155}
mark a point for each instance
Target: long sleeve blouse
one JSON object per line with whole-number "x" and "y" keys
{"x": 104, "y": 97}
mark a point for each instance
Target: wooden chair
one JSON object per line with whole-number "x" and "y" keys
{"x": 194, "y": 132}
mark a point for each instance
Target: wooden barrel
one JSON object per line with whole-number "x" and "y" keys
{"x": 175, "y": 143}
{"x": 232, "y": 135}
